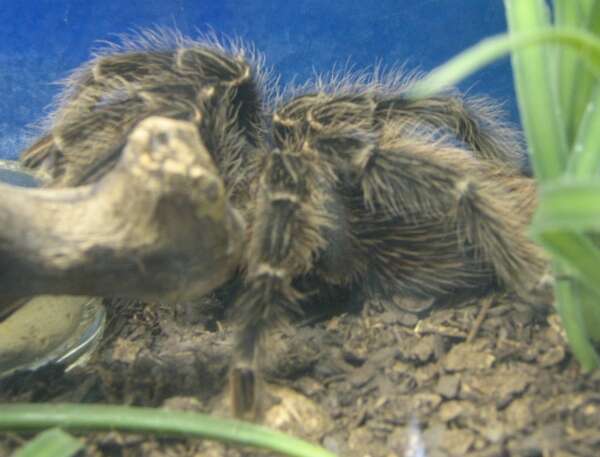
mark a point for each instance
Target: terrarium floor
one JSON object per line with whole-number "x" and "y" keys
{"x": 361, "y": 384}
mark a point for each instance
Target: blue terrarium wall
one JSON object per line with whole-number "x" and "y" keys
{"x": 42, "y": 40}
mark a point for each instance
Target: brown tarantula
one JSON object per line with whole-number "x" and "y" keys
{"x": 349, "y": 184}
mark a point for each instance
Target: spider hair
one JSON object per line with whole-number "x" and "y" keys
{"x": 218, "y": 85}
{"x": 348, "y": 180}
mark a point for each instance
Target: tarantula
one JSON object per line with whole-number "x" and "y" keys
{"x": 349, "y": 184}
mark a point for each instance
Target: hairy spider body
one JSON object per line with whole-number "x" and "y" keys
{"x": 354, "y": 185}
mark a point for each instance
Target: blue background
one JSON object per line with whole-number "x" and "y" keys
{"x": 42, "y": 40}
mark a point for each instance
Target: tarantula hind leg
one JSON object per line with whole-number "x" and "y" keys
{"x": 469, "y": 194}
{"x": 477, "y": 122}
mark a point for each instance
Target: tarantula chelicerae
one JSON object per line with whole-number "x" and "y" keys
{"x": 347, "y": 184}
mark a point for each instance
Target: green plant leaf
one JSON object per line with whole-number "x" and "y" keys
{"x": 593, "y": 17}
{"x": 585, "y": 157}
{"x": 573, "y": 320}
{"x": 27, "y": 417}
{"x": 578, "y": 252}
{"x": 568, "y": 205}
{"x": 575, "y": 81}
{"x": 491, "y": 49}
{"x": 535, "y": 86}
{"x": 538, "y": 100}
{"x": 538, "y": 103}
{"x": 589, "y": 301}
{"x": 50, "y": 443}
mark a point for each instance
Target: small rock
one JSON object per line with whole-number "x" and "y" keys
{"x": 384, "y": 357}
{"x": 553, "y": 356}
{"x": 424, "y": 349}
{"x": 125, "y": 351}
{"x": 545, "y": 438}
{"x": 183, "y": 404}
{"x": 396, "y": 440}
{"x": 359, "y": 439}
{"x": 451, "y": 410}
{"x": 399, "y": 317}
{"x": 518, "y": 414}
{"x": 424, "y": 327}
{"x": 467, "y": 356}
{"x": 308, "y": 386}
{"x": 362, "y": 376}
{"x": 355, "y": 355}
{"x": 457, "y": 442}
{"x": 407, "y": 441}
{"x": 555, "y": 324}
{"x": 296, "y": 414}
{"x": 448, "y": 386}
{"x": 523, "y": 316}
{"x": 426, "y": 374}
{"x": 425, "y": 403}
{"x": 494, "y": 431}
{"x": 512, "y": 386}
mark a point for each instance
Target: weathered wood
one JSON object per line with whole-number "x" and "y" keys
{"x": 158, "y": 226}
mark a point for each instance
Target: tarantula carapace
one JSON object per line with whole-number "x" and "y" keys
{"x": 350, "y": 183}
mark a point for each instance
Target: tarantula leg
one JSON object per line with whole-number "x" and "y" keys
{"x": 158, "y": 226}
{"x": 107, "y": 97}
{"x": 409, "y": 176}
{"x": 289, "y": 220}
{"x": 475, "y": 122}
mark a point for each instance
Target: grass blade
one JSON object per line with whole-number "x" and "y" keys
{"x": 573, "y": 319}
{"x": 593, "y": 17}
{"x": 28, "y": 417}
{"x": 577, "y": 252}
{"x": 494, "y": 48}
{"x": 589, "y": 299}
{"x": 536, "y": 91}
{"x": 585, "y": 158}
{"x": 51, "y": 443}
{"x": 569, "y": 206}
{"x": 575, "y": 81}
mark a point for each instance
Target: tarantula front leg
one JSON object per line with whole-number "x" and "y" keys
{"x": 105, "y": 98}
{"x": 287, "y": 233}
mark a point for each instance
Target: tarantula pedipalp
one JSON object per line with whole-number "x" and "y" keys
{"x": 352, "y": 185}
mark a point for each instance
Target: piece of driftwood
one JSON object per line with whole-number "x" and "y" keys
{"x": 157, "y": 226}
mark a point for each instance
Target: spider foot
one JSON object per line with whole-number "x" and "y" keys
{"x": 244, "y": 392}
